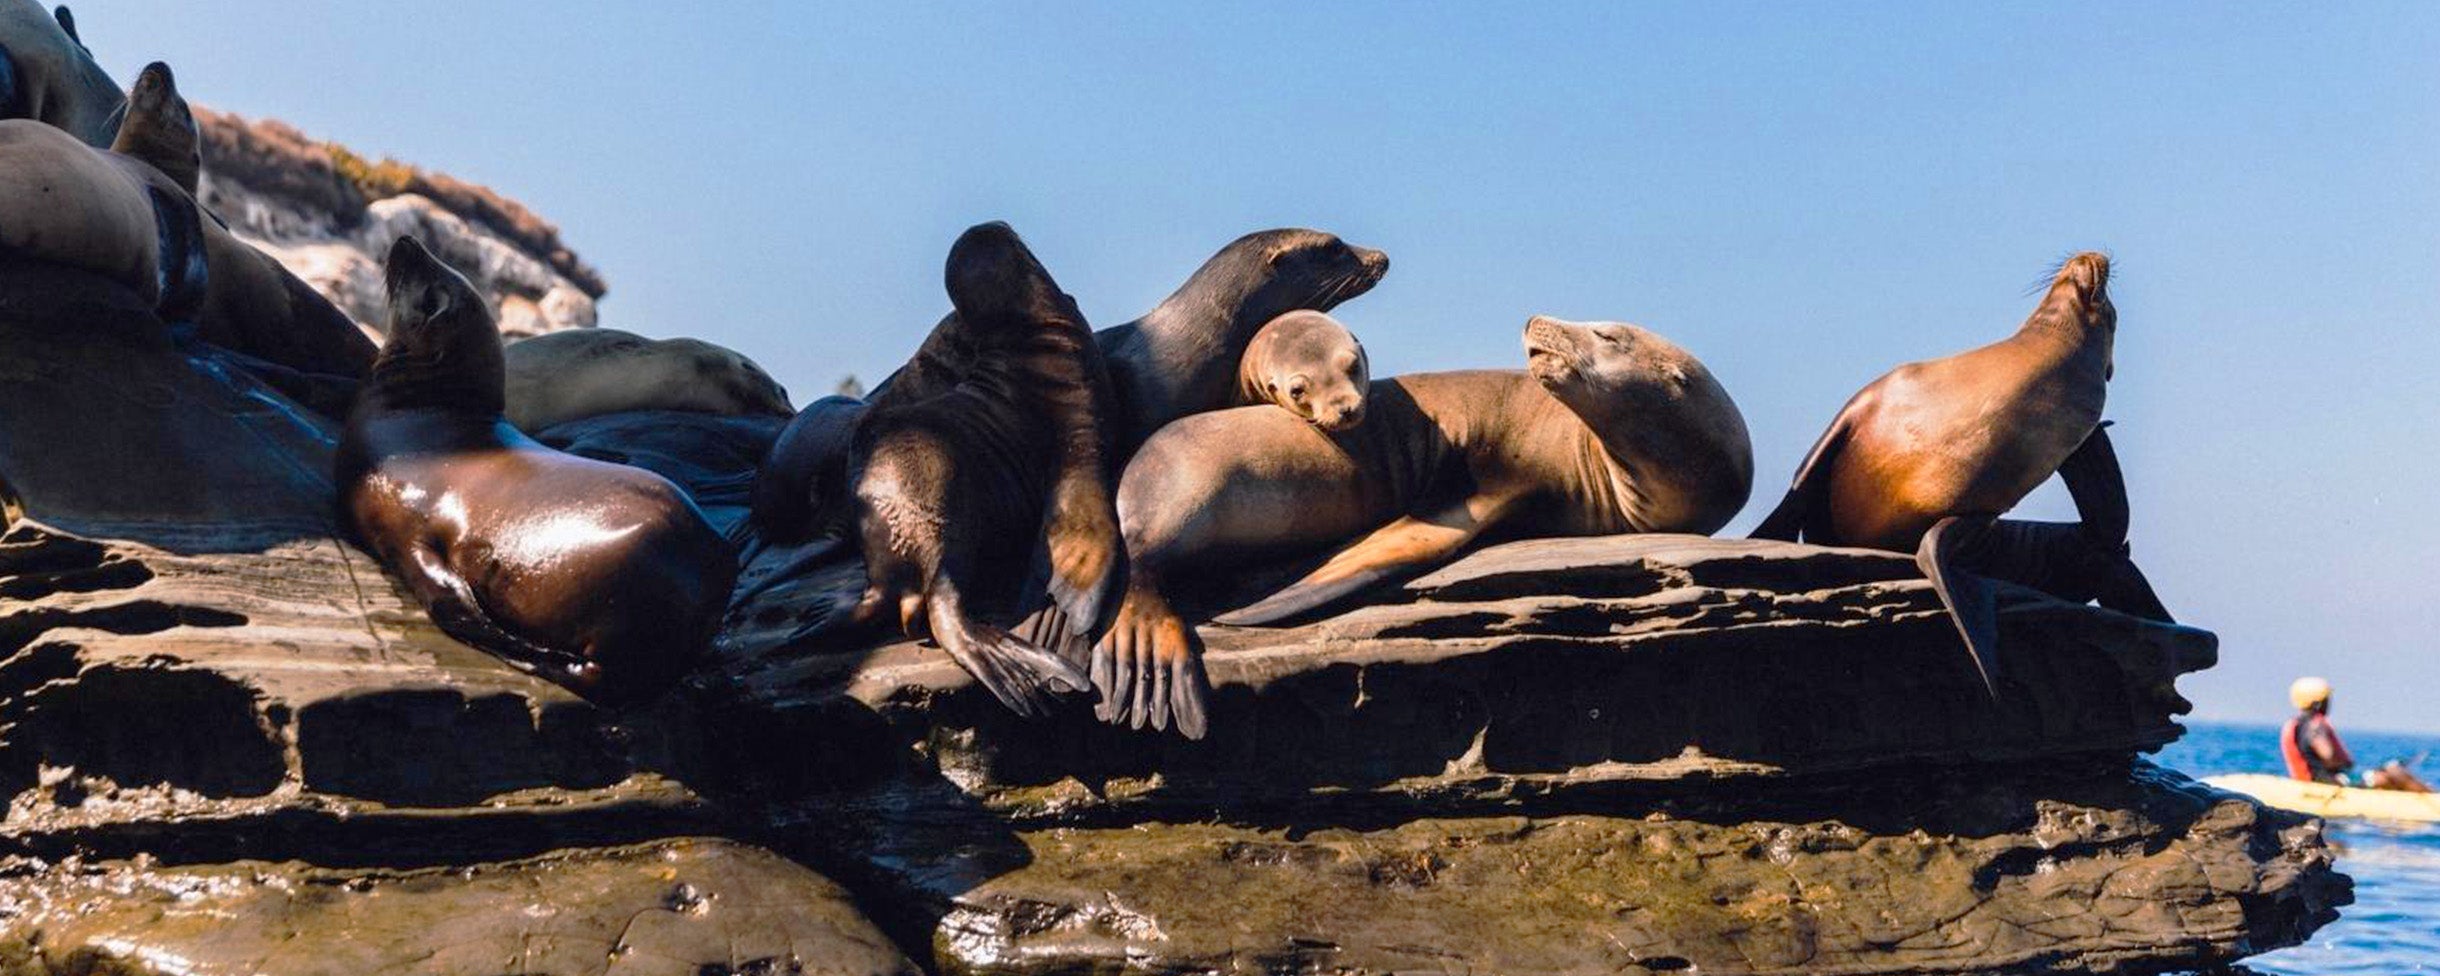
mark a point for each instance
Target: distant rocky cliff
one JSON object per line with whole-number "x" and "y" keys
{"x": 328, "y": 214}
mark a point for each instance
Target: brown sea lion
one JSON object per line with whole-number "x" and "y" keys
{"x": 1926, "y": 458}
{"x": 1182, "y": 357}
{"x": 159, "y": 128}
{"x": 1009, "y": 461}
{"x": 122, "y": 215}
{"x": 1611, "y": 429}
{"x": 558, "y": 377}
{"x": 1309, "y": 365}
{"x": 601, "y": 577}
{"x": 47, "y": 75}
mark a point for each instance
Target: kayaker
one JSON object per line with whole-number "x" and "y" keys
{"x": 2308, "y": 742}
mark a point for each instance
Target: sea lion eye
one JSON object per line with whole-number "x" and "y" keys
{"x": 1296, "y": 389}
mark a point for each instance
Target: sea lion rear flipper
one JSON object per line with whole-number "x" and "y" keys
{"x": 1022, "y": 676}
{"x": 1972, "y": 599}
{"x": 1149, "y": 668}
{"x": 2099, "y": 488}
{"x": 1401, "y": 548}
{"x": 1787, "y": 522}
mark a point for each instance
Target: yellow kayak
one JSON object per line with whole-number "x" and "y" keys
{"x": 2325, "y": 800}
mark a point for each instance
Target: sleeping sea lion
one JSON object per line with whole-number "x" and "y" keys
{"x": 601, "y": 577}
{"x": 1926, "y": 458}
{"x": 1611, "y": 429}
{"x": 562, "y": 376}
{"x": 121, "y": 214}
{"x": 1010, "y": 461}
{"x": 47, "y": 75}
{"x": 1181, "y": 357}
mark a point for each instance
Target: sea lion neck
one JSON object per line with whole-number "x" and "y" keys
{"x": 463, "y": 374}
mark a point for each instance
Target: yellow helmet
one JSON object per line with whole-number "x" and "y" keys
{"x": 2308, "y": 692}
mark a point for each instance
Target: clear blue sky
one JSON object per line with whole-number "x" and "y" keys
{"x": 1804, "y": 195}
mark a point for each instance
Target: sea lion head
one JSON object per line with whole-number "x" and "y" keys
{"x": 444, "y": 349}
{"x": 1267, "y": 274}
{"x": 2081, "y": 288}
{"x": 159, "y": 128}
{"x": 995, "y": 282}
{"x": 741, "y": 381}
{"x": 1599, "y": 369}
{"x": 1310, "y": 365}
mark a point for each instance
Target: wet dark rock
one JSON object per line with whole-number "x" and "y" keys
{"x": 230, "y": 743}
{"x": 687, "y": 907}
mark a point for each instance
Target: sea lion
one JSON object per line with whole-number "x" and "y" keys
{"x": 1926, "y": 458}
{"x": 122, "y": 215}
{"x": 1181, "y": 357}
{"x": 558, "y": 377}
{"x": 1309, "y": 365}
{"x": 1611, "y": 429}
{"x": 47, "y": 75}
{"x": 159, "y": 128}
{"x": 1012, "y": 459}
{"x": 601, "y": 577}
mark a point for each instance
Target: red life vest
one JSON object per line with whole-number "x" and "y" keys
{"x": 2293, "y": 753}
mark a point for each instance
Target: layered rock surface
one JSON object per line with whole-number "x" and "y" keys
{"x": 1607, "y": 755}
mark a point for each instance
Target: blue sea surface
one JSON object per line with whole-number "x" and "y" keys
{"x": 2394, "y": 925}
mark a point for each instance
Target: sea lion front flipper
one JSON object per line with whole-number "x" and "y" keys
{"x": 1079, "y": 562}
{"x": 1401, "y": 548}
{"x": 67, "y": 23}
{"x": 1972, "y": 599}
{"x": 1026, "y": 678}
{"x": 453, "y": 608}
{"x": 2099, "y": 488}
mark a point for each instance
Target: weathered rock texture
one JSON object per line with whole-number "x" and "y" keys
{"x": 329, "y": 215}
{"x": 229, "y": 744}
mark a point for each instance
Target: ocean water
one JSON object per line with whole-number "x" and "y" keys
{"x": 2394, "y": 925}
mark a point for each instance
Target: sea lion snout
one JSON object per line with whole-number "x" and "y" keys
{"x": 1553, "y": 352}
{"x": 156, "y": 77}
{"x": 2087, "y": 276}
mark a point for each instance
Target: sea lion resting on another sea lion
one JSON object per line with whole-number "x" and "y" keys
{"x": 123, "y": 215}
{"x": 601, "y": 577}
{"x": 47, "y": 75}
{"x": 1309, "y": 365}
{"x": 562, "y": 376}
{"x": 1926, "y": 458}
{"x": 1009, "y": 462}
{"x": 1180, "y": 358}
{"x": 1611, "y": 429}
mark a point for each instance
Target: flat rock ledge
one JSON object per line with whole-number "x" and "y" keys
{"x": 230, "y": 744}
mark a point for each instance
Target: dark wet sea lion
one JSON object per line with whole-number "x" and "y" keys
{"x": 560, "y": 377}
{"x": 1009, "y": 462}
{"x": 1181, "y": 357}
{"x": 1612, "y": 429}
{"x": 1926, "y": 458}
{"x": 601, "y": 577}
{"x": 47, "y": 75}
{"x": 1308, "y": 364}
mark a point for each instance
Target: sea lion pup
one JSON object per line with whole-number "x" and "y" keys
{"x": 47, "y": 75}
{"x": 1311, "y": 366}
{"x": 1926, "y": 458}
{"x": 562, "y": 376}
{"x": 1181, "y": 357}
{"x": 1611, "y": 429}
{"x": 601, "y": 577}
{"x": 1009, "y": 461}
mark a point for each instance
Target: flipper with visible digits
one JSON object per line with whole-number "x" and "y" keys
{"x": 1149, "y": 668}
{"x": 1022, "y": 676}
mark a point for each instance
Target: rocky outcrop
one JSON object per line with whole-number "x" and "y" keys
{"x": 229, "y": 743}
{"x": 329, "y": 215}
